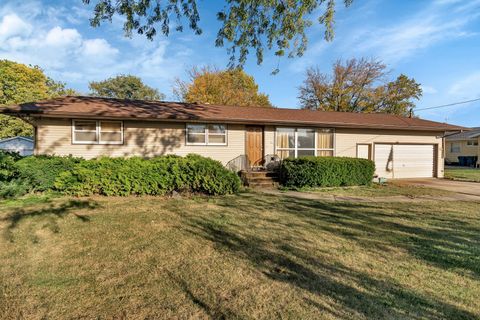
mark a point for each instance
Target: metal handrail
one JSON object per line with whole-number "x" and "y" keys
{"x": 269, "y": 162}
{"x": 239, "y": 163}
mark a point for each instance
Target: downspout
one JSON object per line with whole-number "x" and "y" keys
{"x": 478, "y": 152}
{"x": 444, "y": 154}
{"x": 35, "y": 137}
{"x": 444, "y": 146}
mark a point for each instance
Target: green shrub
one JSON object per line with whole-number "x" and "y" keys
{"x": 13, "y": 188}
{"x": 326, "y": 172}
{"x": 40, "y": 172}
{"x": 138, "y": 176}
{"x": 209, "y": 176}
{"x": 8, "y": 171}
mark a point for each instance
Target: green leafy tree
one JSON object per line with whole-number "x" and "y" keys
{"x": 124, "y": 87}
{"x": 59, "y": 89}
{"x": 223, "y": 87}
{"x": 358, "y": 86}
{"x": 19, "y": 84}
{"x": 258, "y": 24}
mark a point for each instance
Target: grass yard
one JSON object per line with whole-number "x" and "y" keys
{"x": 463, "y": 174}
{"x": 392, "y": 188}
{"x": 244, "y": 256}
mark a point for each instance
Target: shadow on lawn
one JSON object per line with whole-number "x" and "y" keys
{"x": 447, "y": 244}
{"x": 449, "y": 247}
{"x": 213, "y": 312}
{"x": 16, "y": 216}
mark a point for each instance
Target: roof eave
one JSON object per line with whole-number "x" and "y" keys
{"x": 245, "y": 121}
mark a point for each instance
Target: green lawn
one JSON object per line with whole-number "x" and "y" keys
{"x": 244, "y": 256}
{"x": 463, "y": 174}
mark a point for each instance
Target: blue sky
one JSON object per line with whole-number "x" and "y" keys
{"x": 437, "y": 42}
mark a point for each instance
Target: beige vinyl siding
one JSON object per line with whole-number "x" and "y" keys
{"x": 346, "y": 141}
{"x": 150, "y": 138}
{"x": 465, "y": 150}
{"x": 141, "y": 138}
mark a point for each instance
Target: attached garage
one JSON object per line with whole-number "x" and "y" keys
{"x": 397, "y": 161}
{"x": 402, "y": 147}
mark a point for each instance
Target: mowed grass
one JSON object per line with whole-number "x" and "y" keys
{"x": 392, "y": 188}
{"x": 463, "y": 174}
{"x": 247, "y": 256}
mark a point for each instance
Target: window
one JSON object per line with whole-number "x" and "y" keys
{"x": 97, "y": 132}
{"x": 472, "y": 143}
{"x": 206, "y": 134}
{"x": 300, "y": 142}
{"x": 455, "y": 147}
{"x": 85, "y": 132}
{"x": 111, "y": 132}
{"x": 325, "y": 143}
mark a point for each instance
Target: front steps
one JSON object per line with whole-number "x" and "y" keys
{"x": 260, "y": 179}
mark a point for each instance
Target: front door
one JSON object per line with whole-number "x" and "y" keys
{"x": 254, "y": 145}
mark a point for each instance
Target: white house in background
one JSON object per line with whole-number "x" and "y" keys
{"x": 464, "y": 144}
{"x": 23, "y": 145}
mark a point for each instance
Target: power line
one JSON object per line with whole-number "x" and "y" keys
{"x": 449, "y": 105}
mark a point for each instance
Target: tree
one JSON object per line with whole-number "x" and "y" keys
{"x": 19, "y": 84}
{"x": 358, "y": 86}
{"x": 59, "y": 89}
{"x": 276, "y": 25}
{"x": 223, "y": 87}
{"x": 124, "y": 87}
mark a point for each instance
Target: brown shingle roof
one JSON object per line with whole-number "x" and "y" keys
{"x": 91, "y": 107}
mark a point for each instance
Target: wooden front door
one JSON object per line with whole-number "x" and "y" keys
{"x": 254, "y": 145}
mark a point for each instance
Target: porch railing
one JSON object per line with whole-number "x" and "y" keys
{"x": 270, "y": 162}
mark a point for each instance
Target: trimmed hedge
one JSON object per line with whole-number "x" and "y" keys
{"x": 156, "y": 176}
{"x": 8, "y": 170}
{"x": 40, "y": 172}
{"x": 114, "y": 176}
{"x": 326, "y": 172}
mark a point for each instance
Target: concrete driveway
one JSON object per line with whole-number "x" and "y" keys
{"x": 461, "y": 187}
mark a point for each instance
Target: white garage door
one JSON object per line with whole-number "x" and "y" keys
{"x": 404, "y": 160}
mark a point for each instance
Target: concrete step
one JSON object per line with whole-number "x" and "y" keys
{"x": 263, "y": 185}
{"x": 259, "y": 179}
{"x": 253, "y": 174}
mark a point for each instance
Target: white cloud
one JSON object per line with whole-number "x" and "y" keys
{"x": 429, "y": 89}
{"x": 55, "y": 38}
{"x": 98, "y": 48}
{"x": 159, "y": 63}
{"x": 11, "y": 25}
{"x": 466, "y": 87}
{"x": 438, "y": 21}
{"x": 58, "y": 37}
{"x": 402, "y": 41}
{"x": 310, "y": 58}
{"x": 53, "y": 47}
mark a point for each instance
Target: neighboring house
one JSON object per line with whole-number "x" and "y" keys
{"x": 22, "y": 145}
{"x": 90, "y": 127}
{"x": 466, "y": 144}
